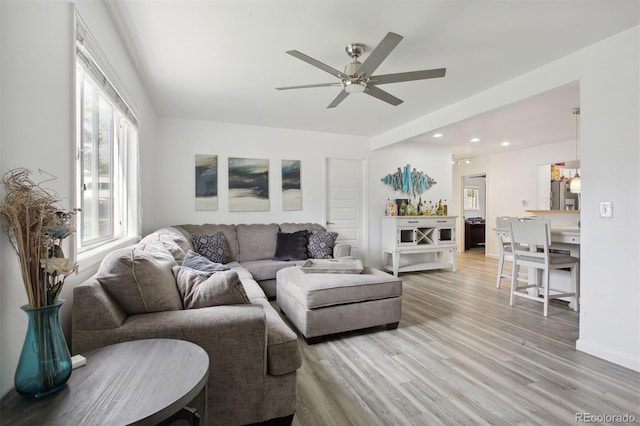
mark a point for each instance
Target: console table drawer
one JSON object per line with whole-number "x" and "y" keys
{"x": 413, "y": 221}
{"x": 441, "y": 221}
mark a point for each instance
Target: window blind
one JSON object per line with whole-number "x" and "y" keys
{"x": 87, "y": 50}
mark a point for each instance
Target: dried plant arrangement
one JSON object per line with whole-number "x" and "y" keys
{"x": 36, "y": 227}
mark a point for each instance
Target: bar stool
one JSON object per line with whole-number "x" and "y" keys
{"x": 504, "y": 246}
{"x": 530, "y": 240}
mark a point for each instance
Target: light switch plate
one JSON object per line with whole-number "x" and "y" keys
{"x": 606, "y": 209}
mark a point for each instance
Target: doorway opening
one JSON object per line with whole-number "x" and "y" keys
{"x": 474, "y": 207}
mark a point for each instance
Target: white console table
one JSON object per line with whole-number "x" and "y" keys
{"x": 418, "y": 243}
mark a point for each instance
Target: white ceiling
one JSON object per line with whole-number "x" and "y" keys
{"x": 221, "y": 60}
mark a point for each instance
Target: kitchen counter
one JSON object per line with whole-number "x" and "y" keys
{"x": 566, "y": 235}
{"x": 553, "y": 211}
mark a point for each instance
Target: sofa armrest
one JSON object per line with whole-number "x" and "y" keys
{"x": 341, "y": 250}
{"x": 234, "y": 337}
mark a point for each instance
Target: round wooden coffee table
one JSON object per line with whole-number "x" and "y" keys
{"x": 136, "y": 382}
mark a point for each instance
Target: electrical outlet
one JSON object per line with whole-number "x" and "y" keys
{"x": 606, "y": 209}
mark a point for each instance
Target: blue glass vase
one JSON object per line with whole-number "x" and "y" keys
{"x": 45, "y": 363}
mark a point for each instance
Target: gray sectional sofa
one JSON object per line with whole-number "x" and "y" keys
{"x": 253, "y": 247}
{"x": 253, "y": 353}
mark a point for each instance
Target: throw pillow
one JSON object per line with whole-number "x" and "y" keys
{"x": 321, "y": 244}
{"x": 140, "y": 279}
{"x": 221, "y": 288}
{"x": 291, "y": 246}
{"x": 213, "y": 247}
{"x": 200, "y": 263}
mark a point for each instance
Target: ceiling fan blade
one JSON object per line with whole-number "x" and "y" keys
{"x": 306, "y": 86}
{"x": 341, "y": 97}
{"x": 379, "y": 54}
{"x": 408, "y": 76}
{"x": 382, "y": 95}
{"x": 324, "y": 67}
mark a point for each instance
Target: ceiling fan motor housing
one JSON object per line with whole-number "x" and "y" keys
{"x": 352, "y": 68}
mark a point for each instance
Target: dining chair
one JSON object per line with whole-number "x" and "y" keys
{"x": 504, "y": 247}
{"x": 530, "y": 241}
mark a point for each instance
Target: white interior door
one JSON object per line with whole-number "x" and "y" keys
{"x": 344, "y": 201}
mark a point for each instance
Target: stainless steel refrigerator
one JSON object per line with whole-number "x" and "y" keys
{"x": 562, "y": 198}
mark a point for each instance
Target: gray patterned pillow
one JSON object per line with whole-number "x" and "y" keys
{"x": 213, "y": 247}
{"x": 321, "y": 244}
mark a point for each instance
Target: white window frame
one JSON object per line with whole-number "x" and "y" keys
{"x": 123, "y": 178}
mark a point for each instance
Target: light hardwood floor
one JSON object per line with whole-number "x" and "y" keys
{"x": 461, "y": 356}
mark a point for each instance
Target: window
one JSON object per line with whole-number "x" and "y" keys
{"x": 471, "y": 196}
{"x": 106, "y": 166}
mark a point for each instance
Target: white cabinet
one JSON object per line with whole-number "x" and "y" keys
{"x": 418, "y": 243}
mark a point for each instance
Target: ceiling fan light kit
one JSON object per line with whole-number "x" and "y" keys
{"x": 358, "y": 77}
{"x": 354, "y": 86}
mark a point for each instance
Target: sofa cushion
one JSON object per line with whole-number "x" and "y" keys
{"x": 294, "y": 227}
{"x": 229, "y": 232}
{"x": 321, "y": 244}
{"x": 200, "y": 263}
{"x": 253, "y": 289}
{"x": 257, "y": 241}
{"x": 291, "y": 246}
{"x": 266, "y": 269}
{"x": 243, "y": 273}
{"x": 140, "y": 280}
{"x": 220, "y": 288}
{"x": 283, "y": 355}
{"x": 213, "y": 246}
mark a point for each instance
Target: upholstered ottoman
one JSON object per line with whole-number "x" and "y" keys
{"x": 321, "y": 304}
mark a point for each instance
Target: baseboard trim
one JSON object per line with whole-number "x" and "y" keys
{"x": 607, "y": 354}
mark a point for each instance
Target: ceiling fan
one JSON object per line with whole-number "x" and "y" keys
{"x": 358, "y": 77}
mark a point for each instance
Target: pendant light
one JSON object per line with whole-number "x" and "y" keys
{"x": 575, "y": 186}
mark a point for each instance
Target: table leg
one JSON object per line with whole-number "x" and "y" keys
{"x": 454, "y": 254}
{"x": 396, "y": 263}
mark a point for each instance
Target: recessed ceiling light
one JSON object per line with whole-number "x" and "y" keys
{"x": 467, "y": 161}
{"x": 437, "y": 135}
{"x": 474, "y": 140}
{"x": 505, "y": 143}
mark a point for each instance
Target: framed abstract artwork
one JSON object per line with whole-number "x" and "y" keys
{"x": 206, "y": 182}
{"x": 248, "y": 184}
{"x": 291, "y": 189}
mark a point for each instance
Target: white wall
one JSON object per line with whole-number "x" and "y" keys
{"x": 37, "y": 110}
{"x": 433, "y": 160}
{"x": 180, "y": 140}
{"x": 610, "y": 160}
